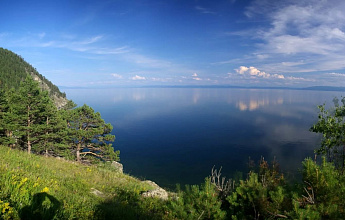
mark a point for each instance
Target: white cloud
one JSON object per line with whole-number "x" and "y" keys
{"x": 336, "y": 74}
{"x": 262, "y": 56}
{"x": 110, "y": 51}
{"x": 312, "y": 29}
{"x": 254, "y": 72}
{"x": 118, "y": 76}
{"x": 195, "y": 77}
{"x": 101, "y": 48}
{"x": 299, "y": 78}
{"x": 87, "y": 45}
{"x": 136, "y": 77}
{"x": 92, "y": 40}
{"x": 204, "y": 10}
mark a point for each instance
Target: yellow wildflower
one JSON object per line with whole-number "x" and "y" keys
{"x": 45, "y": 189}
{"x": 6, "y": 206}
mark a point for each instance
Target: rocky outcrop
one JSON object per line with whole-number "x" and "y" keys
{"x": 157, "y": 192}
{"x": 118, "y": 166}
{"x": 59, "y": 100}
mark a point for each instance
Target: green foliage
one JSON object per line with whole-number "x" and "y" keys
{"x": 324, "y": 190}
{"x": 131, "y": 205}
{"x": 31, "y": 109}
{"x": 30, "y": 121}
{"x": 262, "y": 196}
{"x": 14, "y": 70}
{"x": 331, "y": 125}
{"x": 90, "y": 135}
{"x": 7, "y": 118}
{"x": 197, "y": 202}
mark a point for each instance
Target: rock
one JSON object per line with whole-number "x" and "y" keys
{"x": 151, "y": 183}
{"x": 118, "y": 166}
{"x": 97, "y": 192}
{"x": 158, "y": 192}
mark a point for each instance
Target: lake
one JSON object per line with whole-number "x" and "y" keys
{"x": 176, "y": 135}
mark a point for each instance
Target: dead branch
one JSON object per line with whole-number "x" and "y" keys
{"x": 311, "y": 197}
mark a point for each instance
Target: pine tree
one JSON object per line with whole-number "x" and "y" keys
{"x": 30, "y": 106}
{"x": 90, "y": 135}
{"x": 53, "y": 127}
{"x": 8, "y": 118}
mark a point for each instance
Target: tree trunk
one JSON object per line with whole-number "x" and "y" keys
{"x": 78, "y": 152}
{"x": 29, "y": 145}
{"x": 45, "y": 141}
{"x": 28, "y": 132}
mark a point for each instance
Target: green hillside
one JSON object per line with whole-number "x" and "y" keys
{"x": 36, "y": 187}
{"x": 14, "y": 69}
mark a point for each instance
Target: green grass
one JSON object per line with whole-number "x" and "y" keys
{"x": 36, "y": 187}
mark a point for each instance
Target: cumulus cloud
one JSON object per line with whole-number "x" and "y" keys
{"x": 254, "y": 72}
{"x": 195, "y": 77}
{"x": 136, "y": 77}
{"x": 118, "y": 76}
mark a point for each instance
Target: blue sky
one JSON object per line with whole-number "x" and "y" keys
{"x": 85, "y": 43}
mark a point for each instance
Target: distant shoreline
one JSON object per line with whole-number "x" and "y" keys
{"x": 311, "y": 88}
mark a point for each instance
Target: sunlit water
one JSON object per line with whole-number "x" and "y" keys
{"x": 176, "y": 135}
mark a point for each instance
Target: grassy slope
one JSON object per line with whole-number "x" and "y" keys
{"x": 62, "y": 189}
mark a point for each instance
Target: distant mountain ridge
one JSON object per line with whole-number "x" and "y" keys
{"x": 14, "y": 69}
{"x": 315, "y": 88}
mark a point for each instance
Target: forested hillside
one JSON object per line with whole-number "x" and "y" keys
{"x": 30, "y": 121}
{"x": 36, "y": 117}
{"x": 14, "y": 69}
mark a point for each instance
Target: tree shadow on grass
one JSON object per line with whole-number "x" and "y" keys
{"x": 43, "y": 206}
{"x": 126, "y": 205}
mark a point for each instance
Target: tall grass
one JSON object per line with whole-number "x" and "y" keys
{"x": 36, "y": 187}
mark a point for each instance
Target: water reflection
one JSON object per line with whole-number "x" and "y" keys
{"x": 255, "y": 104}
{"x": 172, "y": 135}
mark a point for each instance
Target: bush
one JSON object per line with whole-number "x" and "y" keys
{"x": 197, "y": 202}
{"x": 324, "y": 190}
{"x": 262, "y": 196}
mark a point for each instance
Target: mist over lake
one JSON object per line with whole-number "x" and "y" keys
{"x": 176, "y": 135}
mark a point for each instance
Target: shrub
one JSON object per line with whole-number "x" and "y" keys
{"x": 324, "y": 190}
{"x": 262, "y": 196}
{"x": 197, "y": 202}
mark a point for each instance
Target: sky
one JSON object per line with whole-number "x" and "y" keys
{"x": 116, "y": 43}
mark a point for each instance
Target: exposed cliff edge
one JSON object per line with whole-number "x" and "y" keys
{"x": 60, "y": 100}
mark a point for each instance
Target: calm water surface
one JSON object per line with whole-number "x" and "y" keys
{"x": 176, "y": 135}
